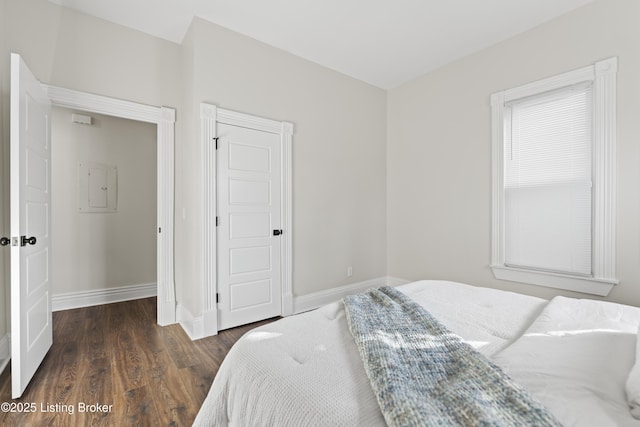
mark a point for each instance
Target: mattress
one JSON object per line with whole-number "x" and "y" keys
{"x": 306, "y": 370}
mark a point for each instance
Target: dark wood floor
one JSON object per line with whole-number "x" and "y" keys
{"x": 117, "y": 355}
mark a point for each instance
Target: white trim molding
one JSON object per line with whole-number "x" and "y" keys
{"x": 603, "y": 277}
{"x": 99, "y": 104}
{"x": 395, "y": 281}
{"x": 210, "y": 116}
{"x": 199, "y": 327}
{"x": 193, "y": 326}
{"x": 286, "y": 136}
{"x": 5, "y": 351}
{"x": 164, "y": 118}
{"x": 318, "y": 299}
{"x": 587, "y": 285}
{"x": 166, "y": 306}
{"x": 71, "y": 300}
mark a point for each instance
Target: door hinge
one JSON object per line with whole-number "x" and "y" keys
{"x": 217, "y": 298}
{"x": 159, "y": 230}
{"x": 216, "y": 140}
{"x": 217, "y": 221}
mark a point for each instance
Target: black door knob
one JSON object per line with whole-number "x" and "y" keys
{"x": 4, "y": 241}
{"x": 277, "y": 232}
{"x": 24, "y": 240}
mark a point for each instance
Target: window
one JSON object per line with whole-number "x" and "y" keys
{"x": 554, "y": 181}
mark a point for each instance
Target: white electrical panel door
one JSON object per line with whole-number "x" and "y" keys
{"x": 98, "y": 187}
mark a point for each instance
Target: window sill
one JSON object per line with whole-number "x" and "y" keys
{"x": 587, "y": 285}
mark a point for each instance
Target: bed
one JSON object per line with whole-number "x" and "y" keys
{"x": 575, "y": 358}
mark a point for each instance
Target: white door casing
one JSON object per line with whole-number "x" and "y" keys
{"x": 30, "y": 171}
{"x": 164, "y": 118}
{"x": 248, "y": 225}
{"x": 211, "y": 117}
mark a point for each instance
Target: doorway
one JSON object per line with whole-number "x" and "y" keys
{"x": 30, "y": 172}
{"x": 164, "y": 118}
{"x": 103, "y": 210}
{"x": 211, "y": 117}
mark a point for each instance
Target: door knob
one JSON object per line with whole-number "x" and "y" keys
{"x": 4, "y": 241}
{"x": 277, "y": 232}
{"x": 24, "y": 240}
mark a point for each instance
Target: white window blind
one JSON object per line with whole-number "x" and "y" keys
{"x": 553, "y": 211}
{"x": 548, "y": 181}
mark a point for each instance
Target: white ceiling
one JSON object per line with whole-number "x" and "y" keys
{"x": 382, "y": 42}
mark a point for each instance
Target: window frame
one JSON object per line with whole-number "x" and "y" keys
{"x": 602, "y": 75}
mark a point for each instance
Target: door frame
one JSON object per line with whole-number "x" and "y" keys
{"x": 164, "y": 118}
{"x": 210, "y": 115}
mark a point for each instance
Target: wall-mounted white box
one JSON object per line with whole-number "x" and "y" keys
{"x": 81, "y": 119}
{"x": 98, "y": 187}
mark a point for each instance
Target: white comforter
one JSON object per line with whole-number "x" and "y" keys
{"x": 305, "y": 370}
{"x": 575, "y": 359}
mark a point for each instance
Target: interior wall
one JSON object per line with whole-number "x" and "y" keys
{"x": 95, "y": 251}
{"x": 393, "y": 183}
{"x": 76, "y": 51}
{"x": 339, "y": 149}
{"x": 4, "y": 181}
{"x": 339, "y": 137}
{"x": 439, "y": 148}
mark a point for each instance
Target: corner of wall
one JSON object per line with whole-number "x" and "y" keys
{"x": 5, "y": 351}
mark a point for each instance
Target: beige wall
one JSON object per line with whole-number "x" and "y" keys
{"x": 77, "y": 51}
{"x": 439, "y": 147}
{"x": 93, "y": 251}
{"x": 339, "y": 150}
{"x": 339, "y": 139}
{"x": 391, "y": 182}
{"x": 80, "y": 52}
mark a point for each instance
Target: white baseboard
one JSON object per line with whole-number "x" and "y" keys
{"x": 197, "y": 327}
{"x": 210, "y": 323}
{"x": 394, "y": 281}
{"x": 5, "y": 351}
{"x": 206, "y": 325}
{"x": 318, "y": 299}
{"x": 71, "y": 300}
{"x": 192, "y": 325}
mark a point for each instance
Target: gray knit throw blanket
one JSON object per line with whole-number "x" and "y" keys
{"x": 424, "y": 375}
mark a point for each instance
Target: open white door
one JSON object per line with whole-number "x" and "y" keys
{"x": 31, "y": 325}
{"x": 249, "y": 209}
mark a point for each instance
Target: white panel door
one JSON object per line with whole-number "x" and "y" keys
{"x": 249, "y": 191}
{"x": 31, "y": 325}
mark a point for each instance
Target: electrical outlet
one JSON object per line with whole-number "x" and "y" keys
{"x": 349, "y": 271}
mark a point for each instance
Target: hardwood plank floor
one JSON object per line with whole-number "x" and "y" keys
{"x": 116, "y": 356}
